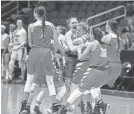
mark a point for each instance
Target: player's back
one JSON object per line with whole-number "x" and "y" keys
{"x": 38, "y": 41}
{"x": 98, "y": 57}
{"x": 112, "y": 49}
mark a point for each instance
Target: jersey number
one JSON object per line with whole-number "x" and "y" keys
{"x": 103, "y": 53}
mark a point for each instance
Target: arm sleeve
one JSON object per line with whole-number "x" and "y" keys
{"x": 106, "y": 39}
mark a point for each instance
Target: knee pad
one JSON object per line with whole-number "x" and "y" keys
{"x": 51, "y": 86}
{"x": 34, "y": 88}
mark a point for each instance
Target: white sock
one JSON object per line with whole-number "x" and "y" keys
{"x": 41, "y": 94}
{"x": 61, "y": 93}
{"x": 51, "y": 86}
{"x": 95, "y": 93}
{"x": 29, "y": 82}
{"x": 74, "y": 96}
{"x": 73, "y": 87}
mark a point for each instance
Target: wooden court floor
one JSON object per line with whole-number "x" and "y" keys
{"x": 12, "y": 95}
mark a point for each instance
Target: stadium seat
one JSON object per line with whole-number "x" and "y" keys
{"x": 83, "y": 8}
{"x": 89, "y": 14}
{"x": 90, "y": 22}
{"x": 74, "y": 8}
{"x": 93, "y": 7}
{"x": 63, "y": 14}
{"x": 107, "y": 16}
{"x": 81, "y": 15}
{"x": 101, "y": 8}
{"x": 54, "y": 14}
{"x": 54, "y": 21}
{"x": 97, "y": 20}
{"x": 65, "y": 7}
{"x": 115, "y": 14}
{"x": 72, "y": 14}
{"x": 50, "y": 6}
{"x": 62, "y": 21}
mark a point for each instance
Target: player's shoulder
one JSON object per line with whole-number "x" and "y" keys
{"x": 31, "y": 25}
{"x": 23, "y": 30}
{"x": 68, "y": 33}
{"x": 61, "y": 37}
{"x": 50, "y": 24}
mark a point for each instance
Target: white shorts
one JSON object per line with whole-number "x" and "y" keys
{"x": 19, "y": 54}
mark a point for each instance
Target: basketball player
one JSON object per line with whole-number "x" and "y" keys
{"x": 81, "y": 66}
{"x": 96, "y": 74}
{"x": 61, "y": 38}
{"x": 71, "y": 53}
{"x": 114, "y": 45}
{"x": 19, "y": 50}
{"x": 40, "y": 65}
{"x": 4, "y": 52}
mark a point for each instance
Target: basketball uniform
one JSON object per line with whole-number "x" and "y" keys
{"x": 4, "y": 42}
{"x": 81, "y": 66}
{"x": 71, "y": 58}
{"x": 18, "y": 39}
{"x": 113, "y": 58}
{"x": 41, "y": 61}
{"x": 96, "y": 74}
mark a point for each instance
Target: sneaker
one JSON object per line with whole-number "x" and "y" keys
{"x": 105, "y": 107}
{"x": 96, "y": 110}
{"x": 71, "y": 110}
{"x": 37, "y": 110}
{"x": 54, "y": 108}
{"x": 62, "y": 110}
{"x": 89, "y": 108}
{"x": 23, "y": 107}
{"x": 82, "y": 107}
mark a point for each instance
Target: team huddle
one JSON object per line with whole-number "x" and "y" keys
{"x": 79, "y": 62}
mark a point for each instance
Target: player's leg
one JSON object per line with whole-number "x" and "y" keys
{"x": 89, "y": 79}
{"x": 21, "y": 53}
{"x": 29, "y": 81}
{"x": 12, "y": 64}
{"x": 27, "y": 90}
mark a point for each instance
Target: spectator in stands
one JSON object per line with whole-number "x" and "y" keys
{"x": 131, "y": 34}
{"x": 4, "y": 51}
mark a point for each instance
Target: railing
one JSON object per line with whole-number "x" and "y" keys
{"x": 100, "y": 14}
{"x": 10, "y": 4}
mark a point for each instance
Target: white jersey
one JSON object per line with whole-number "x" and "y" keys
{"x": 4, "y": 40}
{"x": 19, "y": 36}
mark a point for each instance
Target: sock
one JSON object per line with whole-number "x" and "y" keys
{"x": 30, "y": 99}
{"x": 40, "y": 96}
{"x": 51, "y": 86}
{"x": 26, "y": 95}
{"x": 29, "y": 82}
{"x": 95, "y": 93}
{"x": 73, "y": 87}
{"x": 61, "y": 93}
{"x": 74, "y": 96}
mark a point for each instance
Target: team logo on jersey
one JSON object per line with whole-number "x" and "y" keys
{"x": 103, "y": 52}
